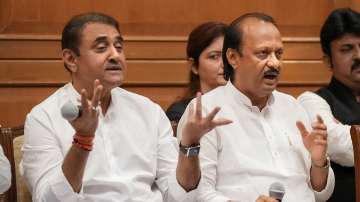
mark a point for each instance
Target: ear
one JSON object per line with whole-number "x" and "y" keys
{"x": 192, "y": 66}
{"x": 327, "y": 61}
{"x": 69, "y": 58}
{"x": 232, "y": 56}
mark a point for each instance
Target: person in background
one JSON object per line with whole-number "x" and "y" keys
{"x": 339, "y": 102}
{"x": 5, "y": 172}
{"x": 204, "y": 50}
{"x": 271, "y": 139}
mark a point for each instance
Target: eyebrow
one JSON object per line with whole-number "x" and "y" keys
{"x": 214, "y": 51}
{"x": 101, "y": 39}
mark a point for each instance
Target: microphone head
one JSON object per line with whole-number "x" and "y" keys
{"x": 70, "y": 111}
{"x": 277, "y": 190}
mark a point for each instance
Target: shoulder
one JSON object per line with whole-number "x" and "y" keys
{"x": 287, "y": 102}
{"x": 283, "y": 97}
{"x": 51, "y": 104}
{"x": 325, "y": 93}
{"x": 122, "y": 97}
{"x": 310, "y": 97}
{"x": 216, "y": 96}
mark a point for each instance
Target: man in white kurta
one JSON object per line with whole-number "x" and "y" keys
{"x": 270, "y": 138}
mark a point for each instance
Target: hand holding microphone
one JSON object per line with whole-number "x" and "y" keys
{"x": 84, "y": 119}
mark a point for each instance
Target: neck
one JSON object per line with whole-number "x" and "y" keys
{"x": 256, "y": 100}
{"x": 204, "y": 88}
{"x": 259, "y": 102}
{"x": 105, "y": 101}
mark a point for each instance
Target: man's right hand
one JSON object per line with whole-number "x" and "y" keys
{"x": 87, "y": 122}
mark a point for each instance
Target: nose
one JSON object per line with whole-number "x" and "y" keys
{"x": 221, "y": 63}
{"x": 114, "y": 53}
{"x": 273, "y": 61}
{"x": 357, "y": 52}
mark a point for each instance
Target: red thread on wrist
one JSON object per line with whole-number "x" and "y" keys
{"x": 82, "y": 146}
{"x": 84, "y": 139}
{"x": 84, "y": 142}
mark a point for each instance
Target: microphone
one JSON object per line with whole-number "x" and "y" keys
{"x": 70, "y": 111}
{"x": 277, "y": 191}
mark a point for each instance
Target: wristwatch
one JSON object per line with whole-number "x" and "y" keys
{"x": 326, "y": 166}
{"x": 192, "y": 150}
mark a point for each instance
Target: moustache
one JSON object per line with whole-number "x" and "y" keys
{"x": 272, "y": 72}
{"x": 355, "y": 65}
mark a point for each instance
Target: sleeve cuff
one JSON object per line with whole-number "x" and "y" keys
{"x": 325, "y": 194}
{"x": 62, "y": 189}
{"x": 177, "y": 193}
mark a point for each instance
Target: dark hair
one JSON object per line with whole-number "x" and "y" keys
{"x": 72, "y": 31}
{"x": 233, "y": 38}
{"x": 340, "y": 21}
{"x": 199, "y": 39}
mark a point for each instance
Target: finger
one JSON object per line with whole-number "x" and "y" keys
{"x": 198, "y": 114}
{"x": 320, "y": 142}
{"x": 302, "y": 129}
{"x": 220, "y": 122}
{"x": 317, "y": 125}
{"x": 212, "y": 114}
{"x": 97, "y": 93}
{"x": 191, "y": 110}
{"x": 84, "y": 101}
{"x": 320, "y": 133}
{"x": 319, "y": 119}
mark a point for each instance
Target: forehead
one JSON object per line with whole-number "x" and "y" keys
{"x": 92, "y": 31}
{"x": 216, "y": 44}
{"x": 346, "y": 39}
{"x": 259, "y": 33}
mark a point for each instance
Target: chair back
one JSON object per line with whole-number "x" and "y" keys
{"x": 11, "y": 139}
{"x": 355, "y": 136}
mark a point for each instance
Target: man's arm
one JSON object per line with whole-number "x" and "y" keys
{"x": 316, "y": 143}
{"x": 188, "y": 168}
{"x": 85, "y": 127}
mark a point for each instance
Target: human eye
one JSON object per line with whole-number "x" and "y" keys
{"x": 215, "y": 56}
{"x": 101, "y": 47}
{"x": 262, "y": 54}
{"x": 279, "y": 54}
{"x": 346, "y": 48}
{"x": 118, "y": 47}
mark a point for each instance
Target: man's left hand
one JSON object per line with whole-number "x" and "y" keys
{"x": 315, "y": 141}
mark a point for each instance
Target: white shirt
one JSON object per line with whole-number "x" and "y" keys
{"x": 241, "y": 160}
{"x": 5, "y": 172}
{"x": 133, "y": 158}
{"x": 340, "y": 146}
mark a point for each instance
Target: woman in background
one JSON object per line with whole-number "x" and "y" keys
{"x": 204, "y": 56}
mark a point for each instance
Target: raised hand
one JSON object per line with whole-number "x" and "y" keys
{"x": 315, "y": 141}
{"x": 87, "y": 122}
{"x": 196, "y": 125}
